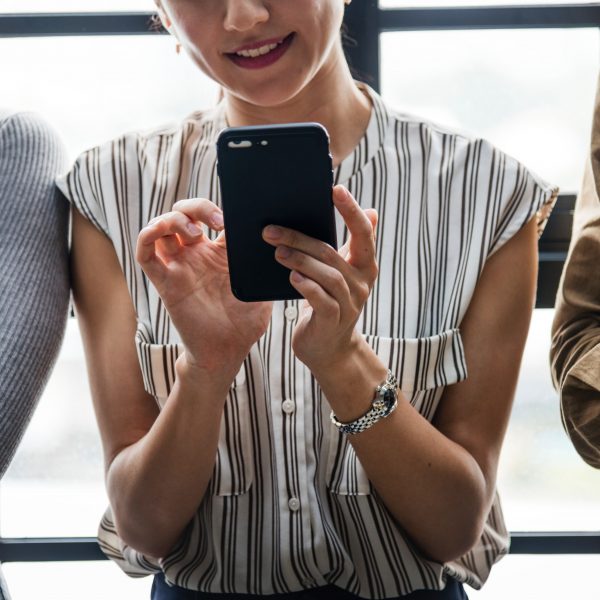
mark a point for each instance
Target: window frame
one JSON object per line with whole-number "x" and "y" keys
{"x": 365, "y": 22}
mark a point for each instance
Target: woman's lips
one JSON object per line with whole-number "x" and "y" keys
{"x": 263, "y": 60}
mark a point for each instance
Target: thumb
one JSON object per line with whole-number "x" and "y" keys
{"x": 373, "y": 216}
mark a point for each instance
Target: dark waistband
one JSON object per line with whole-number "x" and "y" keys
{"x": 161, "y": 590}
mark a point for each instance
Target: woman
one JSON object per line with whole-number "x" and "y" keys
{"x": 238, "y": 482}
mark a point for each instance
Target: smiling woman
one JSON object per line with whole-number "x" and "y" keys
{"x": 256, "y": 428}
{"x": 541, "y": 493}
{"x": 279, "y": 83}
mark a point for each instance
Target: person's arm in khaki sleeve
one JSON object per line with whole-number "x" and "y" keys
{"x": 575, "y": 351}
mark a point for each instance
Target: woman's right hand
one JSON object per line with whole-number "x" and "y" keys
{"x": 191, "y": 274}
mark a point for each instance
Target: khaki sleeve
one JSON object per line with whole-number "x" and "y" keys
{"x": 575, "y": 350}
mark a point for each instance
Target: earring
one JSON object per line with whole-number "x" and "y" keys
{"x": 178, "y": 48}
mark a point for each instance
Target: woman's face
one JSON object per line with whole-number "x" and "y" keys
{"x": 262, "y": 51}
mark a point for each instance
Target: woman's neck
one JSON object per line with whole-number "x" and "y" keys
{"x": 331, "y": 98}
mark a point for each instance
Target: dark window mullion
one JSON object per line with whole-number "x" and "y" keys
{"x": 492, "y": 17}
{"x": 68, "y": 24}
{"x": 86, "y": 549}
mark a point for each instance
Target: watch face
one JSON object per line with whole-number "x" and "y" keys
{"x": 389, "y": 397}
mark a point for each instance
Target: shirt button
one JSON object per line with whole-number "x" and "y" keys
{"x": 294, "y": 504}
{"x": 288, "y": 406}
{"x": 291, "y": 312}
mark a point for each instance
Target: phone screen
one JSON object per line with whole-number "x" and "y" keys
{"x": 272, "y": 175}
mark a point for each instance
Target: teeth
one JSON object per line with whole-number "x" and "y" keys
{"x": 258, "y": 51}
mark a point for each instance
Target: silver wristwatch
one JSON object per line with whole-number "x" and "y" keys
{"x": 384, "y": 403}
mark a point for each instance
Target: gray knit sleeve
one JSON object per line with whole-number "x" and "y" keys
{"x": 34, "y": 280}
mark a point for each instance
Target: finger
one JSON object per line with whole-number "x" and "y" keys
{"x": 162, "y": 238}
{"x": 177, "y": 223}
{"x": 144, "y": 250}
{"x": 150, "y": 235}
{"x": 344, "y": 251}
{"x": 324, "y": 307}
{"x": 373, "y": 216}
{"x": 321, "y": 251}
{"x": 328, "y": 278}
{"x": 168, "y": 246}
{"x": 374, "y": 219}
{"x": 201, "y": 209}
{"x": 360, "y": 226}
{"x": 145, "y": 254}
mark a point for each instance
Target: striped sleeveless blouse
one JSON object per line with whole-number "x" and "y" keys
{"x": 289, "y": 505}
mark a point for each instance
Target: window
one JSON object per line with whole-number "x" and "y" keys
{"x": 148, "y": 84}
{"x": 529, "y": 91}
{"x": 59, "y": 6}
{"x": 98, "y": 580}
{"x": 453, "y": 3}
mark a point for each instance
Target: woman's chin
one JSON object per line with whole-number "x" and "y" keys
{"x": 270, "y": 96}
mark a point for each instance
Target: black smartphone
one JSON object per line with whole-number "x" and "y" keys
{"x": 272, "y": 175}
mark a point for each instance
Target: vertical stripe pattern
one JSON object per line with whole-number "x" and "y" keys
{"x": 289, "y": 505}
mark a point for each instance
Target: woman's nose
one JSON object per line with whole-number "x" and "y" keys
{"x": 243, "y": 15}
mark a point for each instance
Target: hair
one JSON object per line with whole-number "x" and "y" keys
{"x": 155, "y": 23}
{"x": 349, "y": 42}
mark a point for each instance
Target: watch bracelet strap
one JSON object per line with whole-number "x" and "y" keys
{"x": 377, "y": 411}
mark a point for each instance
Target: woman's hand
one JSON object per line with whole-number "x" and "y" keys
{"x": 336, "y": 285}
{"x": 191, "y": 275}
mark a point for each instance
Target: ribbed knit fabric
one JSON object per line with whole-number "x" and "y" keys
{"x": 34, "y": 283}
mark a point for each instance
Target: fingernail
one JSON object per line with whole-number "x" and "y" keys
{"x": 153, "y": 221}
{"x": 273, "y": 232}
{"x": 297, "y": 277}
{"x": 217, "y": 219}
{"x": 284, "y": 252}
{"x": 194, "y": 229}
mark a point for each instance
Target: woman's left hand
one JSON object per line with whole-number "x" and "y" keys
{"x": 336, "y": 285}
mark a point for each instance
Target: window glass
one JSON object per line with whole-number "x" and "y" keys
{"x": 543, "y": 483}
{"x": 451, "y": 3}
{"x": 55, "y": 484}
{"x": 520, "y": 577}
{"x": 58, "y": 6}
{"x": 95, "y": 88}
{"x": 530, "y": 92}
{"x": 98, "y": 580}
{"x": 541, "y": 578}
{"x": 22, "y": 6}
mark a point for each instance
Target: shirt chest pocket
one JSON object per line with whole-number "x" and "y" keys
{"x": 423, "y": 367}
{"x": 234, "y": 466}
